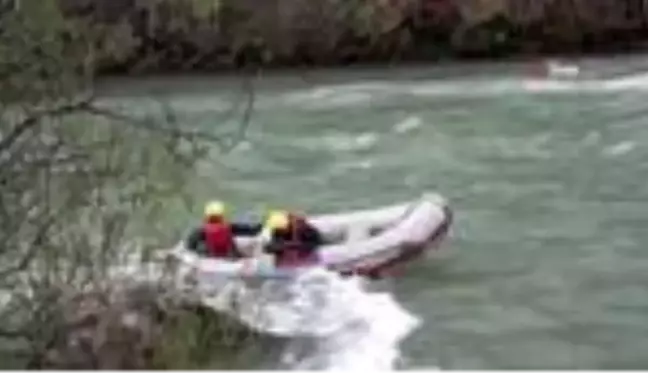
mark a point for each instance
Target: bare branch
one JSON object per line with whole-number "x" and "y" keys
{"x": 34, "y": 246}
{"x": 81, "y": 180}
{"x": 37, "y": 116}
{"x": 225, "y": 142}
{"x": 241, "y": 133}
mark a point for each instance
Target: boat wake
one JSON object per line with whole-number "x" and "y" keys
{"x": 332, "y": 322}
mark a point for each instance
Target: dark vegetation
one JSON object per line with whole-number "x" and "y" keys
{"x": 220, "y": 34}
{"x": 84, "y": 187}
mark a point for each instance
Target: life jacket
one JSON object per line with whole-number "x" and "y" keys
{"x": 218, "y": 238}
{"x": 295, "y": 251}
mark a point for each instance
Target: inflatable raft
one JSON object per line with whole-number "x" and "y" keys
{"x": 366, "y": 242}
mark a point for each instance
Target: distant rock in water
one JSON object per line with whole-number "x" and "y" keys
{"x": 560, "y": 70}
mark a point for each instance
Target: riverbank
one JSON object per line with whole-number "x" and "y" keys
{"x": 197, "y": 82}
{"x": 146, "y": 36}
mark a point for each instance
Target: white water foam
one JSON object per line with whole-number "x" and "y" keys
{"x": 348, "y": 326}
{"x": 330, "y": 96}
{"x": 463, "y": 88}
{"x": 408, "y": 124}
{"x": 351, "y": 328}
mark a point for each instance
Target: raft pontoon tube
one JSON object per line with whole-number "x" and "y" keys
{"x": 365, "y": 242}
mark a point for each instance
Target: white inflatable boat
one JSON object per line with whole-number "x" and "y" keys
{"x": 365, "y": 242}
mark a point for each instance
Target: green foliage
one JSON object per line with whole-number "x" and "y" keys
{"x": 84, "y": 185}
{"x": 197, "y": 338}
{"x": 34, "y": 63}
{"x": 203, "y": 8}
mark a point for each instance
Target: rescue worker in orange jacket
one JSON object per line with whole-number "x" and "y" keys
{"x": 291, "y": 238}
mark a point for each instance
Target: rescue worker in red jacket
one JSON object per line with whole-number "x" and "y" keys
{"x": 291, "y": 238}
{"x": 215, "y": 237}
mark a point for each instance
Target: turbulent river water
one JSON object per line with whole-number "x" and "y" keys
{"x": 546, "y": 265}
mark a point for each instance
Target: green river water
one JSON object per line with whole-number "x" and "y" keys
{"x": 546, "y": 265}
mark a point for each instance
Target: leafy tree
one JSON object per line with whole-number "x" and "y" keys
{"x": 83, "y": 185}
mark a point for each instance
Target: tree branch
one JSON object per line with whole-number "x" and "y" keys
{"x": 240, "y": 135}
{"x": 34, "y": 246}
{"x": 35, "y": 118}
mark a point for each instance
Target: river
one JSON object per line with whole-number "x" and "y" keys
{"x": 546, "y": 265}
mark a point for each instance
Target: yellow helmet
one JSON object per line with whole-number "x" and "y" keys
{"x": 215, "y": 209}
{"x": 277, "y": 220}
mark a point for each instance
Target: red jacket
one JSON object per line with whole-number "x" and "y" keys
{"x": 218, "y": 238}
{"x": 299, "y": 243}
